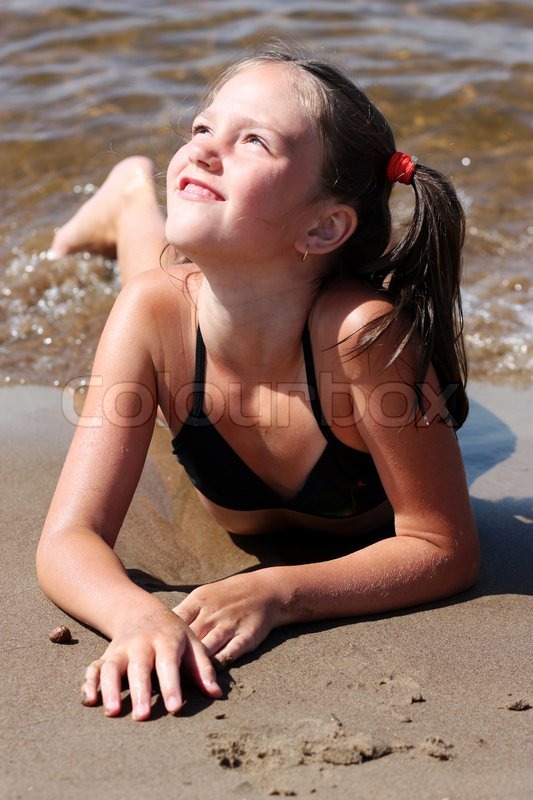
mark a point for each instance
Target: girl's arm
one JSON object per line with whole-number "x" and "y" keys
{"x": 76, "y": 565}
{"x": 435, "y": 551}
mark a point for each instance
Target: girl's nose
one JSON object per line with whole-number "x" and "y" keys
{"x": 205, "y": 155}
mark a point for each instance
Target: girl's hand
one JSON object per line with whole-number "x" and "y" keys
{"x": 232, "y": 616}
{"x": 159, "y": 640}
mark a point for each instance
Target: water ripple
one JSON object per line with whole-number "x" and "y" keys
{"x": 83, "y": 85}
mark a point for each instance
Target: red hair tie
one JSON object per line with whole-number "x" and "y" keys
{"x": 400, "y": 168}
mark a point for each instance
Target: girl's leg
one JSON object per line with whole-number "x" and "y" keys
{"x": 123, "y": 219}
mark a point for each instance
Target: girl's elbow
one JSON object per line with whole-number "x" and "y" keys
{"x": 468, "y": 575}
{"x": 465, "y": 563}
{"x": 473, "y": 566}
{"x": 42, "y": 570}
{"x": 45, "y": 559}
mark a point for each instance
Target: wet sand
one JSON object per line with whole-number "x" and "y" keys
{"x": 424, "y": 704}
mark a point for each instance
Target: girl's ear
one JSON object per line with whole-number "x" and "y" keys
{"x": 334, "y": 227}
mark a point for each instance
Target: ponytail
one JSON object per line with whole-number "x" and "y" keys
{"x": 422, "y": 275}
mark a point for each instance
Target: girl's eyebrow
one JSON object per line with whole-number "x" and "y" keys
{"x": 252, "y": 122}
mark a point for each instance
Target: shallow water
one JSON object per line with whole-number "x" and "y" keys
{"x": 85, "y": 84}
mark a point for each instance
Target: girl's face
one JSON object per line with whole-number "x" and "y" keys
{"x": 246, "y": 185}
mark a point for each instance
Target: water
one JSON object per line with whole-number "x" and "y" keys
{"x": 83, "y": 84}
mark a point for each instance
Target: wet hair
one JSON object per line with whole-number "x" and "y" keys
{"x": 420, "y": 273}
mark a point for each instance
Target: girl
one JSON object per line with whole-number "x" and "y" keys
{"x": 310, "y": 372}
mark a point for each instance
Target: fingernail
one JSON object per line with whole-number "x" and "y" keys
{"x": 112, "y": 709}
{"x": 141, "y": 712}
{"x": 214, "y": 687}
{"x": 173, "y": 705}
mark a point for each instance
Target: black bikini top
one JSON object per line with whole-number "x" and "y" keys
{"x": 343, "y": 483}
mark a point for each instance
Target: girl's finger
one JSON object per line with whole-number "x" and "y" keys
{"x": 187, "y": 610}
{"x": 215, "y": 639}
{"x": 139, "y": 680}
{"x": 234, "y": 649}
{"x": 90, "y": 685}
{"x": 110, "y": 686}
{"x": 200, "y": 667}
{"x": 167, "y": 666}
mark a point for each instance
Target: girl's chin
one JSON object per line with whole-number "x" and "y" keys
{"x": 183, "y": 235}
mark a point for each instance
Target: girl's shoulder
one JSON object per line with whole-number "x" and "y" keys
{"x": 162, "y": 298}
{"x": 159, "y": 309}
{"x": 164, "y": 285}
{"x": 343, "y": 310}
{"x": 340, "y": 323}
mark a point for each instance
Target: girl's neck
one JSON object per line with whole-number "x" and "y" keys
{"x": 254, "y": 327}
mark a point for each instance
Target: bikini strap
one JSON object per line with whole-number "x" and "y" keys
{"x": 199, "y": 381}
{"x": 312, "y": 385}
{"x": 199, "y": 376}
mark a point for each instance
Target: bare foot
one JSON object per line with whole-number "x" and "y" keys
{"x": 127, "y": 191}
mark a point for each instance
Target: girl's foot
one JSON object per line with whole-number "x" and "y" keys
{"x": 127, "y": 192}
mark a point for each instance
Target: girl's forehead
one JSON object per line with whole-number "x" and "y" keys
{"x": 262, "y": 78}
{"x": 269, "y": 90}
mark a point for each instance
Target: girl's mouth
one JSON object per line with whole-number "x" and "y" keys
{"x": 197, "y": 190}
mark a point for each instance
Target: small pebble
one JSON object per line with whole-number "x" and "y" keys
{"x": 518, "y": 705}
{"x": 60, "y": 635}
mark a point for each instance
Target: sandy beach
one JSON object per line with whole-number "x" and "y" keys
{"x": 427, "y": 704}
{"x": 420, "y": 704}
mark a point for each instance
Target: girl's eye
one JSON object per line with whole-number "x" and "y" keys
{"x": 254, "y": 139}
{"x": 199, "y": 129}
